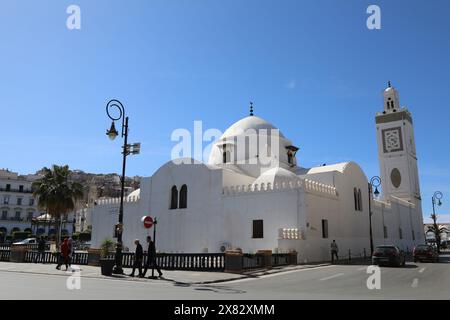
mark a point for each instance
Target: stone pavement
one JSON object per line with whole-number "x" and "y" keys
{"x": 177, "y": 276}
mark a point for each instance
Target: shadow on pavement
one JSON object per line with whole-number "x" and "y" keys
{"x": 207, "y": 287}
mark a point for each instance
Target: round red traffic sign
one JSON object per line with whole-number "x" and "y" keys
{"x": 147, "y": 221}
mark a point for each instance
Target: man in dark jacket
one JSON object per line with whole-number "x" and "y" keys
{"x": 151, "y": 257}
{"x": 138, "y": 256}
{"x": 41, "y": 250}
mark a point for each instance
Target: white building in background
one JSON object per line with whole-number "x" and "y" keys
{"x": 18, "y": 207}
{"x": 231, "y": 203}
{"x": 17, "y": 204}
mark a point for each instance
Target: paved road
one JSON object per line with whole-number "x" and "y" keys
{"x": 415, "y": 281}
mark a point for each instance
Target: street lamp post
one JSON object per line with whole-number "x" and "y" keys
{"x": 437, "y": 196}
{"x": 127, "y": 149}
{"x": 374, "y": 182}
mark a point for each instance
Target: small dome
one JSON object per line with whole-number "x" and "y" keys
{"x": 136, "y": 193}
{"x": 276, "y": 175}
{"x": 249, "y": 123}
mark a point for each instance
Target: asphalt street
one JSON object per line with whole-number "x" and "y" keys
{"x": 414, "y": 281}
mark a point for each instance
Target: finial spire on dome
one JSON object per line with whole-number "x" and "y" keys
{"x": 251, "y": 108}
{"x": 389, "y": 84}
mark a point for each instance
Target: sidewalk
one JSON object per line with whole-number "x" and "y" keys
{"x": 177, "y": 276}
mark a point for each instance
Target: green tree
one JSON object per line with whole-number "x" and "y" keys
{"x": 437, "y": 230}
{"x": 57, "y": 194}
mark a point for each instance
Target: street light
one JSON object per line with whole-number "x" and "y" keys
{"x": 436, "y": 196}
{"x": 127, "y": 149}
{"x": 374, "y": 182}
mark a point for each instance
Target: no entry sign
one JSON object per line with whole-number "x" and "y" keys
{"x": 147, "y": 221}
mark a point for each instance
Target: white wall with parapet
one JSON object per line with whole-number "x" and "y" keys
{"x": 199, "y": 227}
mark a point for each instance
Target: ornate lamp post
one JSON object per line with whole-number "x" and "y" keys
{"x": 436, "y": 199}
{"x": 374, "y": 182}
{"x": 127, "y": 150}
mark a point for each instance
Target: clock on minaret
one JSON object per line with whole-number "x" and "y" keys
{"x": 396, "y": 149}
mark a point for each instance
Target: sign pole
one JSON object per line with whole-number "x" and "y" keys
{"x": 154, "y": 244}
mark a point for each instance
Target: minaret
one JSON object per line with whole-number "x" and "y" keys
{"x": 396, "y": 149}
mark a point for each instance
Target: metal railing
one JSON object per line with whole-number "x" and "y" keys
{"x": 16, "y": 190}
{"x": 181, "y": 261}
{"x": 280, "y": 259}
{"x": 53, "y": 257}
{"x": 252, "y": 261}
{"x": 4, "y": 255}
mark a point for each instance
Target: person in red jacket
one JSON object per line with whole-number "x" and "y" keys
{"x": 65, "y": 251}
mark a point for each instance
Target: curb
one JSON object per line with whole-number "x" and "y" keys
{"x": 125, "y": 278}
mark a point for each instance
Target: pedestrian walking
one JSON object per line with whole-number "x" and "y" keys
{"x": 64, "y": 257}
{"x": 151, "y": 257}
{"x": 41, "y": 250}
{"x": 334, "y": 251}
{"x": 71, "y": 250}
{"x": 138, "y": 256}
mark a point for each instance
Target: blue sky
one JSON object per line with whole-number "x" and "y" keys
{"x": 312, "y": 68}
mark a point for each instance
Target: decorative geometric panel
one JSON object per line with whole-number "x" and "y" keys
{"x": 392, "y": 139}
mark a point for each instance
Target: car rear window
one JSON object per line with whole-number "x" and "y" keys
{"x": 385, "y": 250}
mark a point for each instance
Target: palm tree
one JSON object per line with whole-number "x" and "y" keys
{"x": 437, "y": 230}
{"x": 57, "y": 194}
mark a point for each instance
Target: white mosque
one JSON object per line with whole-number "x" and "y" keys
{"x": 263, "y": 200}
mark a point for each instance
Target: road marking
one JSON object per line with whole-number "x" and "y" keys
{"x": 422, "y": 270}
{"x": 276, "y": 274}
{"x": 415, "y": 283}
{"x": 362, "y": 268}
{"x": 332, "y": 277}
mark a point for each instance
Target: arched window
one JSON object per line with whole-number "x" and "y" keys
{"x": 174, "y": 198}
{"x": 183, "y": 197}
{"x": 355, "y": 198}
{"x": 359, "y": 200}
{"x": 226, "y": 156}
{"x": 290, "y": 157}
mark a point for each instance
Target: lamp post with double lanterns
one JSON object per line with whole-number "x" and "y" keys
{"x": 374, "y": 182}
{"x": 436, "y": 199}
{"x": 127, "y": 150}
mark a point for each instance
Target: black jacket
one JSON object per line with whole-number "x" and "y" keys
{"x": 151, "y": 252}
{"x": 41, "y": 245}
{"x": 139, "y": 252}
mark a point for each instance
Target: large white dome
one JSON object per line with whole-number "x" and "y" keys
{"x": 276, "y": 175}
{"x": 249, "y": 123}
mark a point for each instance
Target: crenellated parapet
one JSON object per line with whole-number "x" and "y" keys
{"x": 307, "y": 185}
{"x": 109, "y": 201}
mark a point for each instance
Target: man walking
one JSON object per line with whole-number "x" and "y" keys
{"x": 334, "y": 251}
{"x": 138, "y": 256}
{"x": 151, "y": 257}
{"x": 71, "y": 249}
{"x": 64, "y": 258}
{"x": 41, "y": 250}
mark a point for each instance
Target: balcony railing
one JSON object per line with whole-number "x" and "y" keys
{"x": 16, "y": 190}
{"x": 12, "y": 219}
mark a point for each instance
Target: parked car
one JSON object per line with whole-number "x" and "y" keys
{"x": 389, "y": 255}
{"x": 425, "y": 252}
{"x": 27, "y": 241}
